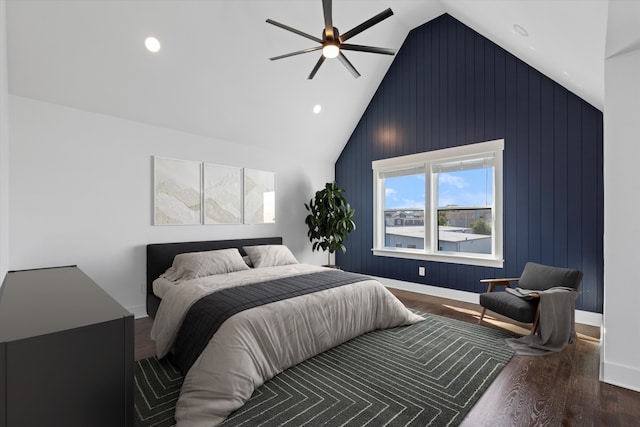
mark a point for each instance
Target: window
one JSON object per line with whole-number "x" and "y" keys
{"x": 443, "y": 205}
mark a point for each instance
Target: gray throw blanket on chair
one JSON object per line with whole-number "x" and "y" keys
{"x": 556, "y": 326}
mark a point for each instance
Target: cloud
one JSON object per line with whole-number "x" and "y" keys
{"x": 456, "y": 181}
{"x": 390, "y": 192}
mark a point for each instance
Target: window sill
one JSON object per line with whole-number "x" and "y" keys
{"x": 448, "y": 258}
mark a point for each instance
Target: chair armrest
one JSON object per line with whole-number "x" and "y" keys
{"x": 501, "y": 279}
{"x": 499, "y": 282}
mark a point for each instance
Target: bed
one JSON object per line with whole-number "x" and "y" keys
{"x": 226, "y": 343}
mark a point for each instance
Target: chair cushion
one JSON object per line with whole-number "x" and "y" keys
{"x": 510, "y": 305}
{"x": 541, "y": 277}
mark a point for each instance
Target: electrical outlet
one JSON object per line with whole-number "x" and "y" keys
{"x": 421, "y": 271}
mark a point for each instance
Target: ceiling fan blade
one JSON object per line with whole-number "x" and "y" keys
{"x": 316, "y": 68}
{"x": 328, "y": 20}
{"x": 366, "y": 24}
{"x": 293, "y": 30}
{"x": 349, "y": 65}
{"x": 286, "y": 55}
{"x": 370, "y": 49}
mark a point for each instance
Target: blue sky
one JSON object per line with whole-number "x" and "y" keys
{"x": 463, "y": 188}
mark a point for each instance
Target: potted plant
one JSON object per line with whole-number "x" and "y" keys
{"x": 330, "y": 220}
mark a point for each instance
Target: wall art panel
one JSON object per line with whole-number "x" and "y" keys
{"x": 222, "y": 194}
{"x": 259, "y": 197}
{"x": 177, "y": 193}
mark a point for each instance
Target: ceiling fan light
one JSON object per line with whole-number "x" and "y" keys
{"x": 330, "y": 50}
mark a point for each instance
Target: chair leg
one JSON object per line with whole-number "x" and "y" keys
{"x": 536, "y": 321}
{"x": 482, "y": 315}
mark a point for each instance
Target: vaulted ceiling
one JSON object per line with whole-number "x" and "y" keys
{"x": 212, "y": 76}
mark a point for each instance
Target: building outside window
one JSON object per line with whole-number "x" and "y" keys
{"x": 443, "y": 205}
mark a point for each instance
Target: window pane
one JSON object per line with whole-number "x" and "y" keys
{"x": 472, "y": 187}
{"x": 404, "y": 211}
{"x": 465, "y": 211}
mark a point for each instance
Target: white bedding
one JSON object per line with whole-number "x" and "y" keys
{"x": 257, "y": 344}
{"x": 161, "y": 286}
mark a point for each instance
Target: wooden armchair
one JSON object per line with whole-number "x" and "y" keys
{"x": 535, "y": 277}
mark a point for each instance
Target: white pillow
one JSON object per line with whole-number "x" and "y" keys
{"x": 269, "y": 255}
{"x": 247, "y": 260}
{"x": 192, "y": 265}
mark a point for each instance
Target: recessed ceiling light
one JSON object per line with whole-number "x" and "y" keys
{"x": 518, "y": 29}
{"x": 317, "y": 108}
{"x": 152, "y": 44}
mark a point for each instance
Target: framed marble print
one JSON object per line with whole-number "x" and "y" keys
{"x": 177, "y": 192}
{"x": 259, "y": 197}
{"x": 222, "y": 194}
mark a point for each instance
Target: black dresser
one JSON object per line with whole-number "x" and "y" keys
{"x": 66, "y": 352}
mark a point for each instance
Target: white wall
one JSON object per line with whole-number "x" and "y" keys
{"x": 4, "y": 146}
{"x": 620, "y": 364}
{"x": 81, "y": 193}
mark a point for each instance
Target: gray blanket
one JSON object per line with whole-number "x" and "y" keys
{"x": 557, "y": 324}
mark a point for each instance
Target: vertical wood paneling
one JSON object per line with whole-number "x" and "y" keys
{"x": 547, "y": 160}
{"x": 477, "y": 112}
{"x": 471, "y": 73}
{"x": 589, "y": 212}
{"x": 414, "y": 85}
{"x": 534, "y": 233}
{"x": 575, "y": 209}
{"x": 598, "y": 280}
{"x": 522, "y": 163}
{"x": 450, "y": 86}
{"x": 489, "y": 108}
{"x": 511, "y": 171}
{"x": 560, "y": 165}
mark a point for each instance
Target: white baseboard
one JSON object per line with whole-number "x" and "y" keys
{"x": 589, "y": 318}
{"x": 619, "y": 375}
{"x": 138, "y": 311}
{"x": 583, "y": 317}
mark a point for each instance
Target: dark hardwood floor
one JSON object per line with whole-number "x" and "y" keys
{"x": 560, "y": 389}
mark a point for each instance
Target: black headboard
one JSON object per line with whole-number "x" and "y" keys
{"x": 160, "y": 257}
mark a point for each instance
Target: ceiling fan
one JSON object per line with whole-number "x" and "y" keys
{"x": 333, "y": 43}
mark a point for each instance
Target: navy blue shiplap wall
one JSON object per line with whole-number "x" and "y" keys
{"x": 450, "y": 86}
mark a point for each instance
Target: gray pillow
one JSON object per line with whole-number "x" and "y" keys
{"x": 540, "y": 277}
{"x": 192, "y": 265}
{"x": 269, "y": 255}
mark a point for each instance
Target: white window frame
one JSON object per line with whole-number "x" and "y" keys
{"x": 424, "y": 161}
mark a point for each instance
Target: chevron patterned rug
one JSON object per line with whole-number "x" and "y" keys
{"x": 427, "y": 374}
